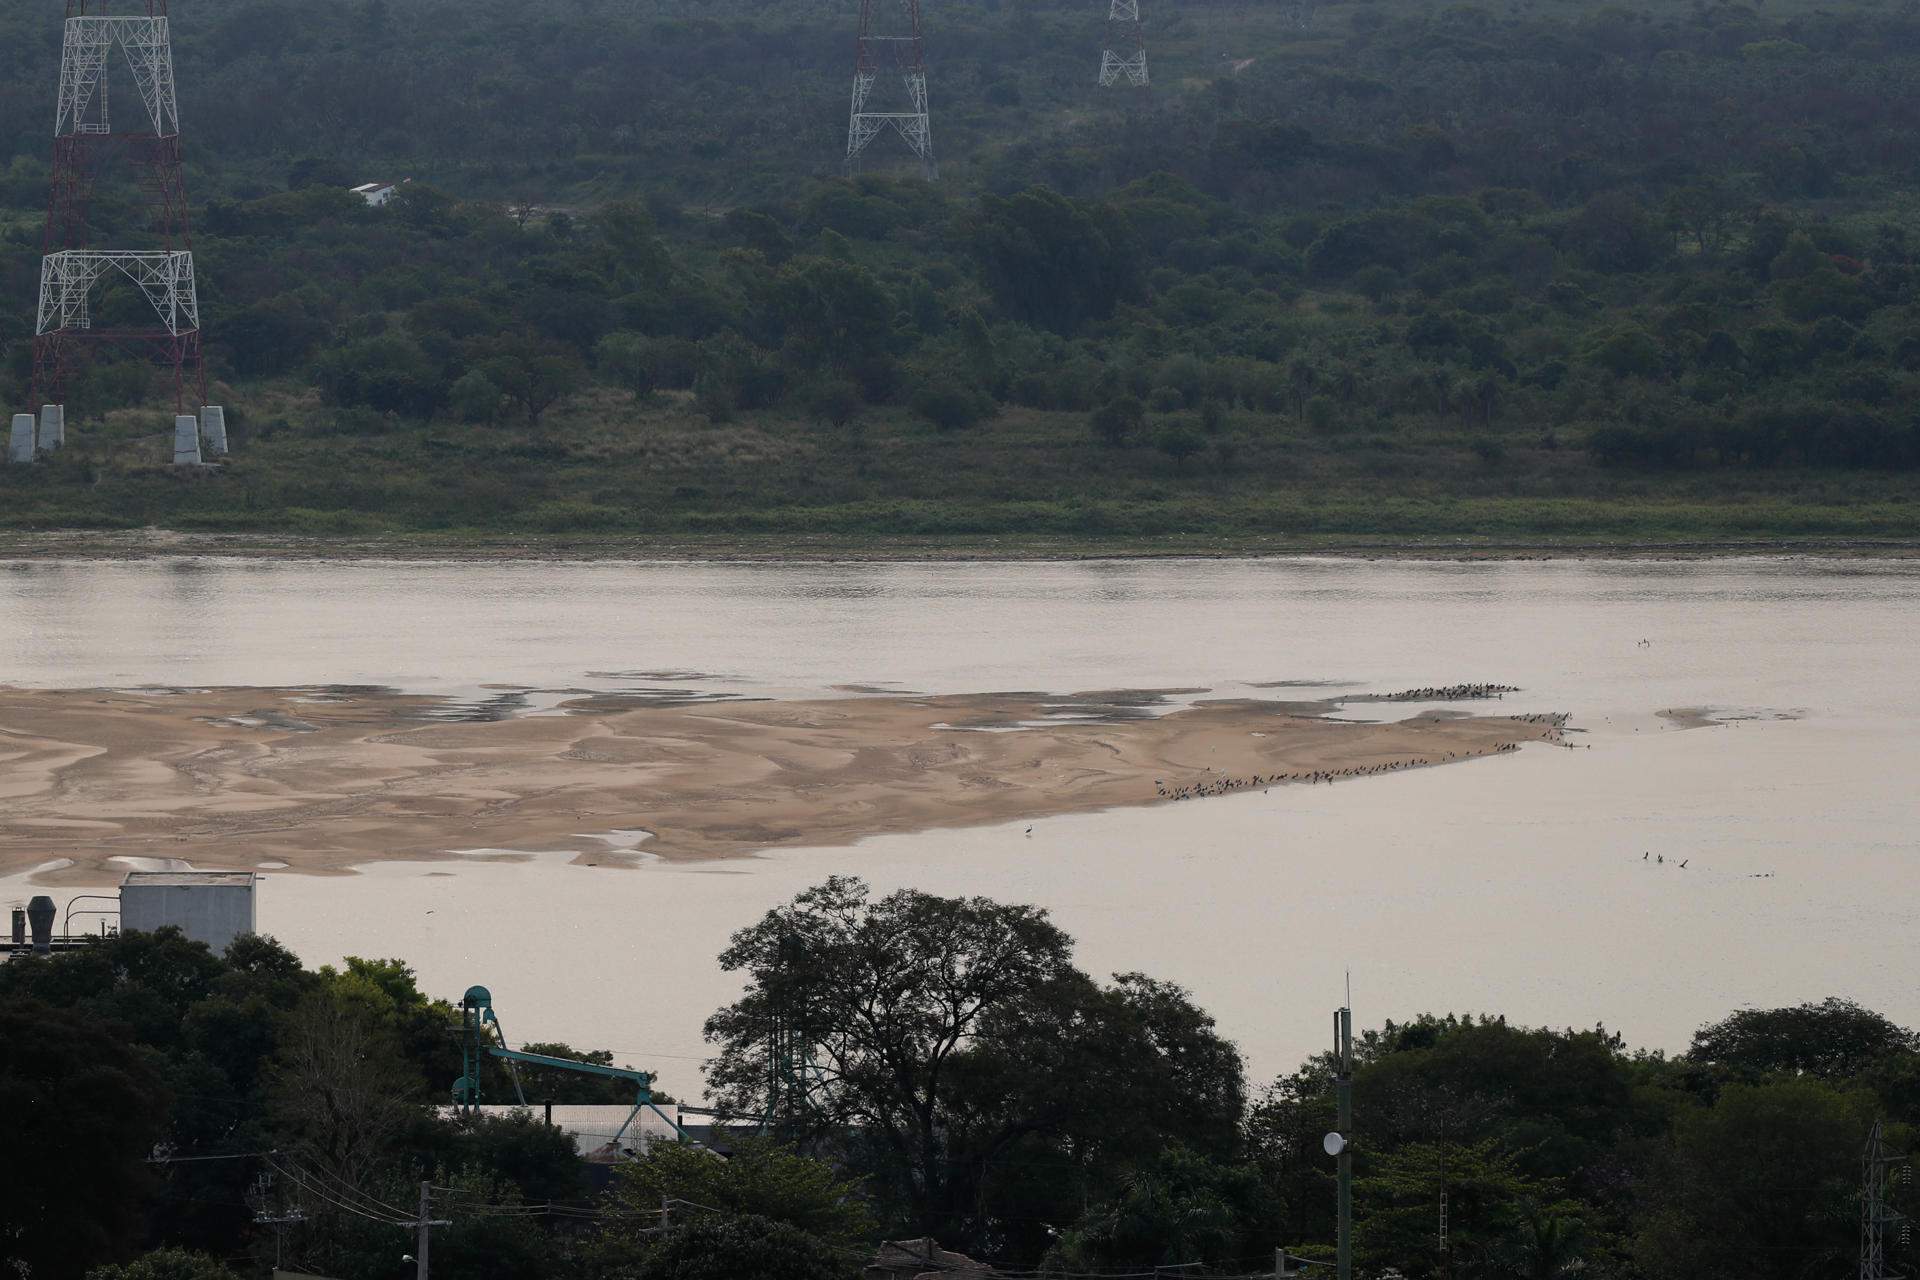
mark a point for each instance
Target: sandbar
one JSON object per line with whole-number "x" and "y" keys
{"x": 322, "y": 781}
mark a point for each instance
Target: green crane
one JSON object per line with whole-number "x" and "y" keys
{"x": 482, "y": 1037}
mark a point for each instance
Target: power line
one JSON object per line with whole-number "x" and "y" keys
{"x": 309, "y": 1183}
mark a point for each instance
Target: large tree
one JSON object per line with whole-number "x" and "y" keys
{"x": 1832, "y": 1040}
{"x": 83, "y": 1111}
{"x": 968, "y": 1058}
{"x": 888, "y": 995}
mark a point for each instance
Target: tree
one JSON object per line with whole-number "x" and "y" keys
{"x": 1703, "y": 211}
{"x": 1051, "y": 261}
{"x": 949, "y": 403}
{"x": 759, "y": 1178}
{"x": 343, "y": 1091}
{"x": 166, "y": 1264}
{"x": 891, "y": 994}
{"x": 390, "y": 373}
{"x": 923, "y": 1013}
{"x": 831, "y": 314}
{"x": 1179, "y": 442}
{"x": 744, "y": 1248}
{"x": 1834, "y": 1040}
{"x": 474, "y": 398}
{"x": 1176, "y": 1209}
{"x": 834, "y": 401}
{"x": 84, "y": 1109}
{"x": 1489, "y": 1201}
{"x": 629, "y": 360}
{"x": 1614, "y": 232}
{"x": 1762, "y": 1185}
{"x": 1117, "y": 419}
{"x": 514, "y": 1156}
{"x": 531, "y": 372}
{"x": 557, "y": 1084}
{"x": 1628, "y": 353}
{"x": 639, "y": 258}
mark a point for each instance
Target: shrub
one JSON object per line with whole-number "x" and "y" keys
{"x": 950, "y": 404}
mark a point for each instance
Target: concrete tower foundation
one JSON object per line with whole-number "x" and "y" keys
{"x": 186, "y": 441}
{"x": 213, "y": 430}
{"x": 20, "y": 443}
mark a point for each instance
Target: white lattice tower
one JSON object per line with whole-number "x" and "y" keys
{"x": 164, "y": 276}
{"x": 1125, "y": 55}
{"x": 886, "y": 49}
{"x": 93, "y": 45}
{"x": 84, "y": 54}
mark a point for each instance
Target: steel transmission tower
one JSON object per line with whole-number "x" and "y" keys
{"x": 894, "y": 47}
{"x": 1125, "y": 55}
{"x": 1876, "y": 1209}
{"x": 84, "y": 138}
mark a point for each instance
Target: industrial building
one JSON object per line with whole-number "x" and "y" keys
{"x": 213, "y": 907}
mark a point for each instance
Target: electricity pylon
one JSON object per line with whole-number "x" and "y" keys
{"x": 84, "y": 136}
{"x": 1876, "y": 1209}
{"x": 895, "y": 48}
{"x": 1125, "y": 54}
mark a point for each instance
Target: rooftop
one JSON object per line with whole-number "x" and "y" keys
{"x": 196, "y": 879}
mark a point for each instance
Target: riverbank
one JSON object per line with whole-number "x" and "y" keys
{"x": 325, "y": 779}
{"x": 154, "y": 543}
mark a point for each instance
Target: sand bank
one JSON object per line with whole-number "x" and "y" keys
{"x": 324, "y": 780}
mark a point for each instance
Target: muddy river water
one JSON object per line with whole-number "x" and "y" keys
{"x": 1782, "y": 773}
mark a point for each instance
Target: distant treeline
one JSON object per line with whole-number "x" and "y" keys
{"x": 1427, "y": 256}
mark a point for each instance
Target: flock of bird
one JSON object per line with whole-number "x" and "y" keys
{"x": 1450, "y": 693}
{"x": 1224, "y": 784}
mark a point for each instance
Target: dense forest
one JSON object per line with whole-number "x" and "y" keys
{"x": 1346, "y": 270}
{"x": 192, "y": 1117}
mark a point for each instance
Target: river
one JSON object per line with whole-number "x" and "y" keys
{"x": 1512, "y": 885}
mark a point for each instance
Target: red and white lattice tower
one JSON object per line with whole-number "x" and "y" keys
{"x": 890, "y": 46}
{"x": 84, "y": 142}
{"x": 1125, "y": 55}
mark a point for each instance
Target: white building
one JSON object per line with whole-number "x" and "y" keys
{"x": 377, "y": 193}
{"x": 601, "y": 1132}
{"x": 213, "y": 907}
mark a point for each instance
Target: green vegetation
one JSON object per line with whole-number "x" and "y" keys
{"x": 1442, "y": 271}
{"x": 965, "y": 1081}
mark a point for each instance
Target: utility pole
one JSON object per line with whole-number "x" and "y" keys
{"x": 423, "y": 1235}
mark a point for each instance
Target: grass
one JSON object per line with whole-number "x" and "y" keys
{"x": 604, "y": 464}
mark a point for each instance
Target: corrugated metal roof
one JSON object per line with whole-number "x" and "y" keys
{"x": 196, "y": 879}
{"x": 593, "y": 1125}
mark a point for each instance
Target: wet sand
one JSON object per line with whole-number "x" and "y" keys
{"x": 322, "y": 780}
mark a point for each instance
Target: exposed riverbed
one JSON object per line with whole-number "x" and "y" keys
{"x": 1755, "y": 718}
